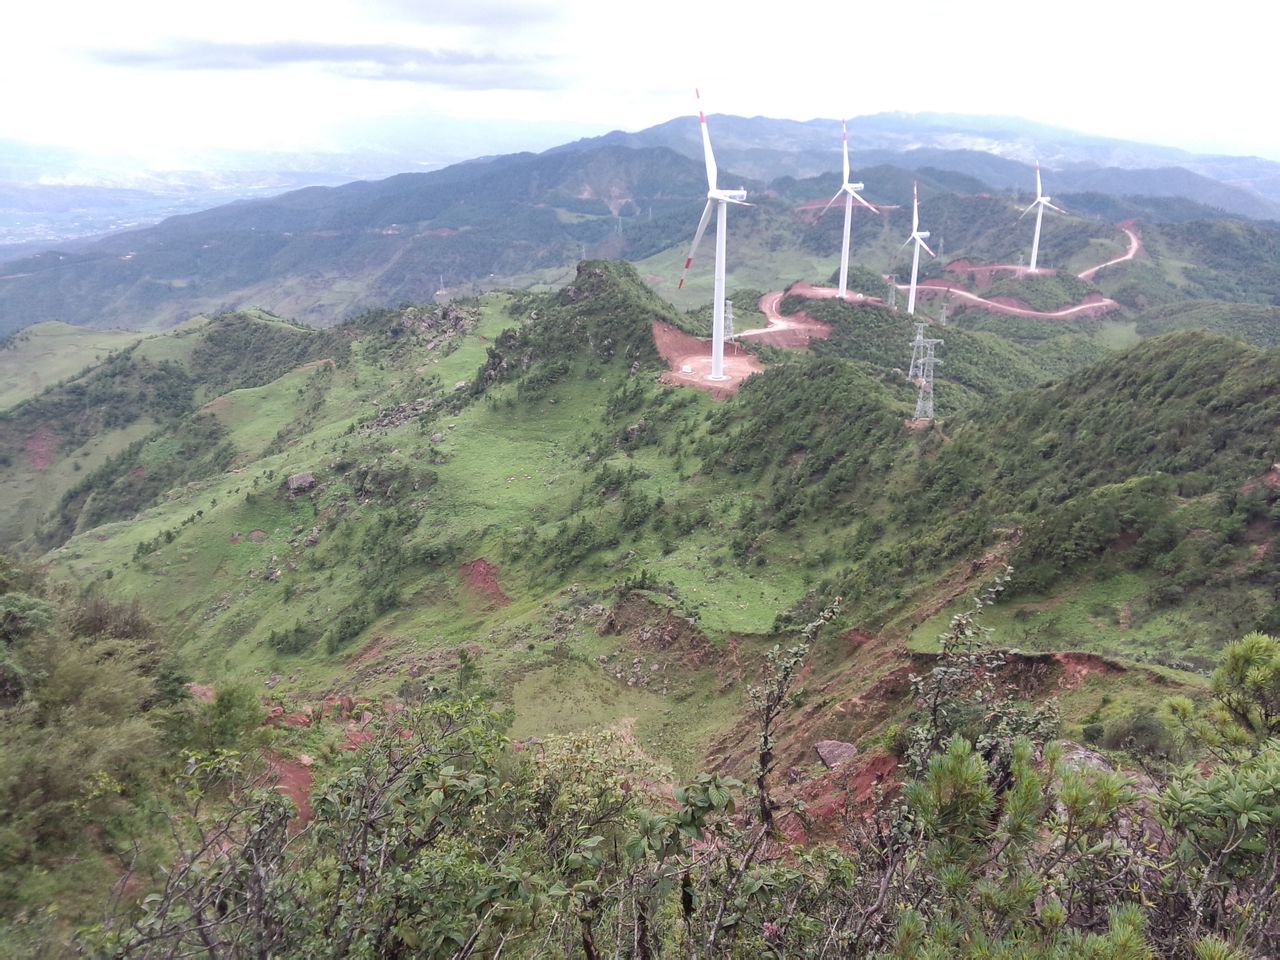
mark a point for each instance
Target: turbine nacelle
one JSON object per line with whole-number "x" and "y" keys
{"x": 729, "y": 196}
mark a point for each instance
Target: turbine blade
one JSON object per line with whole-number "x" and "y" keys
{"x": 738, "y": 203}
{"x": 1028, "y": 210}
{"x": 697, "y": 239}
{"x": 708, "y": 157}
{"x": 844, "y": 136}
{"x": 1053, "y": 206}
{"x": 915, "y": 208}
{"x": 926, "y": 247}
{"x": 831, "y": 201}
{"x": 1039, "y": 190}
{"x": 855, "y": 196}
{"x": 907, "y": 241}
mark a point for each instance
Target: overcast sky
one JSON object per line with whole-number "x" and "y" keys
{"x": 165, "y": 80}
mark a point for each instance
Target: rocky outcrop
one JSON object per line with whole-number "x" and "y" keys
{"x": 835, "y": 752}
{"x": 300, "y": 483}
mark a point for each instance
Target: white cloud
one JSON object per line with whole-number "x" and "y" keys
{"x": 159, "y": 78}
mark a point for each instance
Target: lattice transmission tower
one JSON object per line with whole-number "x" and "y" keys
{"x": 924, "y": 399}
{"x": 917, "y": 353}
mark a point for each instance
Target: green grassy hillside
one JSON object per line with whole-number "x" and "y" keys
{"x": 41, "y": 355}
{"x": 497, "y": 484}
{"x": 108, "y": 440}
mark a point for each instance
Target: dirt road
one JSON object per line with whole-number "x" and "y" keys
{"x": 1135, "y": 244}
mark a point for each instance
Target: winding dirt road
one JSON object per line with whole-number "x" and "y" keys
{"x": 1092, "y": 306}
{"x": 789, "y": 332}
{"x": 689, "y": 358}
{"x": 1135, "y": 244}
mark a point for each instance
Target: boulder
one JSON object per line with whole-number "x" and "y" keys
{"x": 835, "y": 752}
{"x": 301, "y": 483}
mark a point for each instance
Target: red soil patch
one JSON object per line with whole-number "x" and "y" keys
{"x": 681, "y": 350}
{"x": 1269, "y": 480}
{"x": 40, "y": 447}
{"x": 370, "y": 652}
{"x": 481, "y": 578}
{"x": 200, "y": 692}
{"x": 1077, "y": 666}
{"x": 257, "y": 536}
{"x": 293, "y": 779}
{"x": 847, "y": 791}
{"x": 858, "y": 638}
{"x": 235, "y": 538}
{"x": 355, "y": 739}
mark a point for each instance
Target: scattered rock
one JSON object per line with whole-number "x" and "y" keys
{"x": 437, "y": 437}
{"x": 835, "y": 752}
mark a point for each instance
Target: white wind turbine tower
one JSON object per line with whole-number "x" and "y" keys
{"x": 850, "y": 191}
{"x": 720, "y": 199}
{"x": 919, "y": 236}
{"x": 1040, "y": 202}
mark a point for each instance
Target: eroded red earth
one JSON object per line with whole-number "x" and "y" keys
{"x": 480, "y": 577}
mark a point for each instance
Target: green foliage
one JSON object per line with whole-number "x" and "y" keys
{"x": 190, "y": 450}
{"x": 1259, "y": 325}
{"x": 1235, "y": 262}
{"x": 1044, "y": 292}
{"x": 817, "y": 447}
{"x": 1244, "y": 714}
{"x": 237, "y": 350}
{"x": 962, "y": 695}
{"x": 21, "y": 616}
{"x": 81, "y": 739}
{"x": 606, "y": 313}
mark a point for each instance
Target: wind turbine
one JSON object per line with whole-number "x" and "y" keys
{"x": 919, "y": 236}
{"x": 1038, "y": 204}
{"x": 720, "y": 200}
{"x": 850, "y": 191}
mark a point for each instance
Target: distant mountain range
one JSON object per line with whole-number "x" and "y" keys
{"x": 996, "y": 150}
{"x": 324, "y": 253}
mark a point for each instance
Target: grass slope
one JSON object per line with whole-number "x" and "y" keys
{"x": 529, "y": 432}
{"x": 41, "y": 355}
